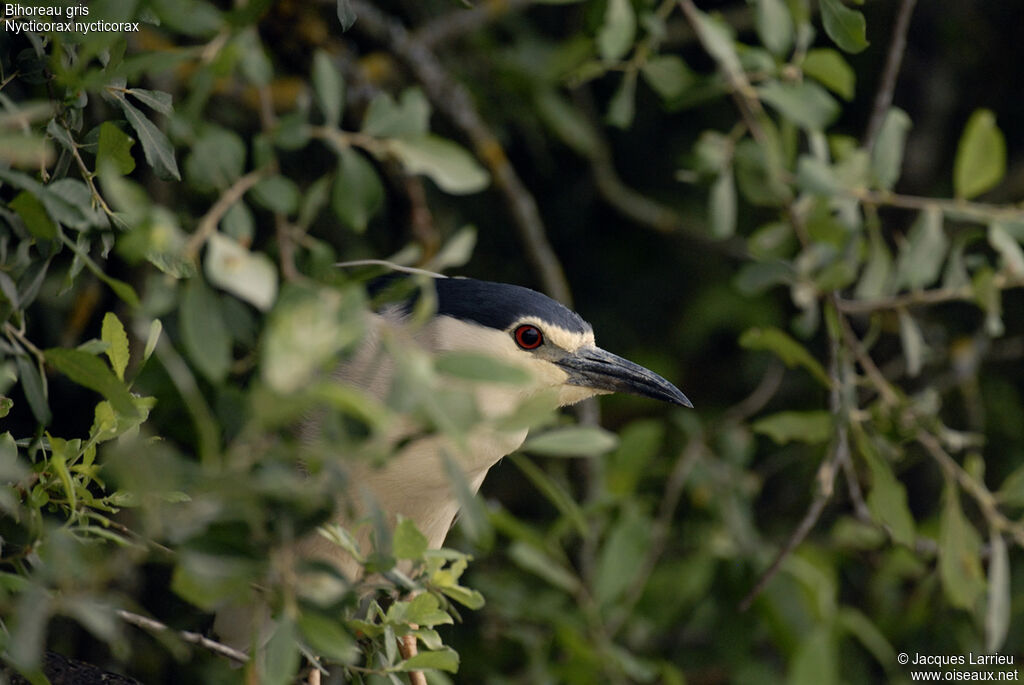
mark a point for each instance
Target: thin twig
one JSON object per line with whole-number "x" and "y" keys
{"x": 155, "y": 626}
{"x": 887, "y": 86}
{"x": 452, "y": 25}
{"x": 659, "y": 532}
{"x": 744, "y": 94}
{"x": 208, "y": 224}
{"x": 452, "y": 99}
{"x": 924, "y": 297}
{"x": 760, "y": 396}
{"x": 978, "y": 211}
{"x": 826, "y": 475}
{"x": 985, "y": 499}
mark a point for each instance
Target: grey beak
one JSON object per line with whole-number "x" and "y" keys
{"x": 592, "y": 367}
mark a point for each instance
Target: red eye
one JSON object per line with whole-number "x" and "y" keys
{"x": 528, "y": 337}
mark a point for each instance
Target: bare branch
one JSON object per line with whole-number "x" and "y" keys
{"x": 155, "y": 626}
{"x": 208, "y": 224}
{"x": 452, "y": 99}
{"x": 458, "y": 23}
{"x": 746, "y": 100}
{"x": 887, "y": 86}
{"x": 923, "y": 297}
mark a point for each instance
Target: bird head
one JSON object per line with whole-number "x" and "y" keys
{"x": 553, "y": 343}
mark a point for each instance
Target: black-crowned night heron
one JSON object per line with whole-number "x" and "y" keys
{"x": 512, "y": 324}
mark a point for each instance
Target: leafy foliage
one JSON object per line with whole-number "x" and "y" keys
{"x": 174, "y": 202}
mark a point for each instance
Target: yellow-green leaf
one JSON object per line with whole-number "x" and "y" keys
{"x": 113, "y": 334}
{"x": 980, "y": 157}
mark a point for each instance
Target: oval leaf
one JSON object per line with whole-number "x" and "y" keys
{"x": 980, "y": 157}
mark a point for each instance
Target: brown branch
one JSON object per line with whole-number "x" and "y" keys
{"x": 887, "y": 86}
{"x": 743, "y": 93}
{"x": 982, "y": 496}
{"x": 923, "y": 297}
{"x": 155, "y": 626}
{"x": 208, "y": 224}
{"x": 977, "y": 211}
{"x": 452, "y": 99}
{"x": 452, "y": 25}
{"x": 407, "y": 647}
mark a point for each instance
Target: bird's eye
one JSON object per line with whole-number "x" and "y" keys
{"x": 528, "y": 337}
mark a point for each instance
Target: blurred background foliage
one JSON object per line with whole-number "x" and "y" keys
{"x": 806, "y": 214}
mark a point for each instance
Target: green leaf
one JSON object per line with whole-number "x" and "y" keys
{"x": 827, "y": 67}
{"x": 806, "y": 104}
{"x": 248, "y": 275}
{"x": 203, "y": 331}
{"x": 154, "y": 99}
{"x": 87, "y": 370}
{"x": 846, "y": 27}
{"x": 618, "y": 561}
{"x": 446, "y": 659}
{"x": 532, "y": 559}
{"x": 989, "y": 297}
{"x": 216, "y": 160}
{"x": 328, "y": 638}
{"x": 346, "y": 15}
{"x": 774, "y": 26}
{"x": 32, "y": 212}
{"x": 113, "y": 334}
{"x": 152, "y": 339}
{"x": 408, "y": 542}
{"x": 959, "y": 555}
{"x": 999, "y": 600}
{"x": 922, "y": 256}
{"x": 722, "y": 205}
{"x": 114, "y": 152}
{"x": 816, "y": 176}
{"x": 720, "y": 40}
{"x": 357, "y": 194}
{"x": 570, "y": 125}
{"x": 34, "y": 388}
{"x": 6, "y": 404}
{"x": 277, "y": 193}
{"x": 328, "y": 88}
{"x": 158, "y": 149}
{"x": 913, "y": 343}
{"x": 479, "y": 367}
{"x": 796, "y": 426}
{"x": 887, "y": 499}
{"x": 785, "y": 348}
{"x": 11, "y": 470}
{"x": 875, "y": 281}
{"x": 306, "y": 330}
{"x": 860, "y": 626}
{"x": 668, "y": 75}
{"x": 622, "y": 106}
{"x": 980, "y": 157}
{"x": 281, "y": 657}
{"x": 815, "y": 660}
{"x": 615, "y": 37}
{"x": 407, "y": 118}
{"x": 1011, "y": 492}
{"x": 424, "y": 610}
{"x": 572, "y": 441}
{"x": 553, "y": 492}
{"x": 887, "y": 153}
{"x": 446, "y": 163}
{"x": 1008, "y": 248}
